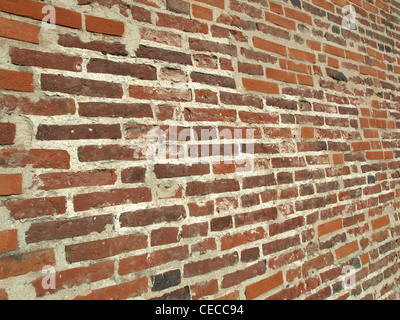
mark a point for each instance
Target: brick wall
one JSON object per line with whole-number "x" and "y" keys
{"x": 318, "y": 89}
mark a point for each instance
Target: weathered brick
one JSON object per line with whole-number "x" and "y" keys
{"x": 99, "y": 249}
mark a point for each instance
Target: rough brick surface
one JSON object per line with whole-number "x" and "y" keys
{"x": 83, "y": 104}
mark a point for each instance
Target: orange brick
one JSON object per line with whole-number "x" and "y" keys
{"x": 389, "y": 155}
{"x": 269, "y": 46}
{"x": 334, "y": 50}
{"x": 202, "y": 13}
{"x": 280, "y": 21}
{"x": 364, "y": 122}
{"x": 305, "y": 80}
{"x": 364, "y": 258}
{"x": 338, "y": 159}
{"x": 354, "y": 56}
{"x": 374, "y": 155}
{"x": 382, "y": 5}
{"x": 380, "y": 222}
{"x": 361, "y": 146}
{"x": 8, "y": 240}
{"x": 370, "y": 71}
{"x": 330, "y": 227}
{"x": 19, "y": 30}
{"x": 280, "y": 75}
{"x": 314, "y": 45}
{"x": 325, "y": 5}
{"x": 347, "y": 250}
{"x": 10, "y": 184}
{"x": 260, "y": 86}
{"x": 105, "y": 26}
{"x": 302, "y": 55}
{"x": 277, "y": 8}
{"x": 33, "y": 9}
{"x": 307, "y": 133}
{"x": 365, "y": 112}
{"x": 16, "y": 81}
{"x": 369, "y": 7}
{"x": 332, "y": 62}
{"x": 371, "y": 133}
{"x": 256, "y": 289}
{"x": 294, "y": 66}
{"x": 215, "y": 3}
{"x": 297, "y": 15}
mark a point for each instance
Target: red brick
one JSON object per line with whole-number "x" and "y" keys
{"x": 76, "y": 276}
{"x": 197, "y": 188}
{"x": 43, "y": 107}
{"x": 195, "y": 230}
{"x": 198, "y": 209}
{"x": 317, "y": 263}
{"x": 288, "y": 225}
{"x": 204, "y": 289}
{"x": 7, "y": 133}
{"x": 109, "y": 152}
{"x": 140, "y": 14}
{"x": 100, "y": 249}
{"x": 71, "y": 41}
{"x": 83, "y": 202}
{"x": 257, "y": 216}
{"x": 81, "y": 87}
{"x": 287, "y": 258}
{"x": 140, "y": 71}
{"x": 164, "y": 94}
{"x": 240, "y": 276}
{"x": 192, "y": 269}
{"x": 180, "y": 23}
{"x": 38, "y": 158}
{"x": 119, "y": 291}
{"x": 34, "y": 58}
{"x": 163, "y": 171}
{"x": 133, "y": 175}
{"x": 152, "y": 215}
{"x": 164, "y": 236}
{"x": 206, "y": 96}
{"x": 153, "y": 259}
{"x": 39, "y": 207}
{"x": 214, "y": 80}
{"x": 56, "y": 181}
{"x": 203, "y": 114}
{"x": 238, "y": 239}
{"x": 62, "y": 229}
{"x": 160, "y": 36}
